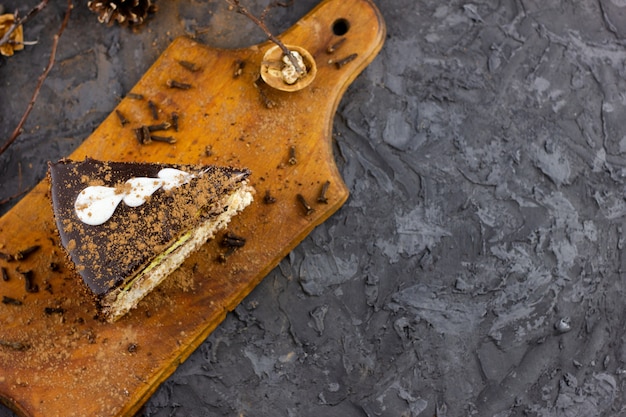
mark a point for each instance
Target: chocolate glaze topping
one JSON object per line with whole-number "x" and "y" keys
{"x": 108, "y": 254}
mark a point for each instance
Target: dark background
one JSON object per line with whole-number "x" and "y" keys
{"x": 485, "y": 153}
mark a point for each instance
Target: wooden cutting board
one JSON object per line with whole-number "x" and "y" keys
{"x": 56, "y": 359}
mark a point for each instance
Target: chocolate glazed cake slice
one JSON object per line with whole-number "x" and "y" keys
{"x": 126, "y": 226}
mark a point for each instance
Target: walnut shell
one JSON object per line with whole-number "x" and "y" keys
{"x": 278, "y": 72}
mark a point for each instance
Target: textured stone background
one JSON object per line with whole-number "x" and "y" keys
{"x": 485, "y": 149}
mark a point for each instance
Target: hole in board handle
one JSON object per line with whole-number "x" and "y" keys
{"x": 341, "y": 27}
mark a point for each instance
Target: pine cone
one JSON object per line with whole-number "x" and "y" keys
{"x": 125, "y": 12}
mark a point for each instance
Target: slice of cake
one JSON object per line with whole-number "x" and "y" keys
{"x": 126, "y": 226}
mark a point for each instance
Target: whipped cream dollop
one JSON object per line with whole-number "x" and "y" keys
{"x": 96, "y": 204}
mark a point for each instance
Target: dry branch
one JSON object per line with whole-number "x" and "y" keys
{"x": 260, "y": 22}
{"x": 42, "y": 77}
{"x": 19, "y": 22}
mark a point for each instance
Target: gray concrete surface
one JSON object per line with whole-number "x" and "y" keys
{"x": 477, "y": 268}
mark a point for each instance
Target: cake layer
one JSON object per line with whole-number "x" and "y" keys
{"x": 120, "y": 301}
{"x": 115, "y": 218}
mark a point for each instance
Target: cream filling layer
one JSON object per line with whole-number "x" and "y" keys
{"x": 118, "y": 303}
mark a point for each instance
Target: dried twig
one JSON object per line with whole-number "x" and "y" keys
{"x": 260, "y": 22}
{"x": 12, "y": 197}
{"x": 272, "y": 5}
{"x": 42, "y": 77}
{"x": 19, "y": 22}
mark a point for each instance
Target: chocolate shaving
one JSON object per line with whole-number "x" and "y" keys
{"x": 20, "y": 255}
{"x": 307, "y": 208}
{"x": 121, "y": 117}
{"x": 268, "y": 102}
{"x": 175, "y": 117}
{"x": 340, "y": 63}
{"x": 25, "y": 253}
{"x": 53, "y": 310}
{"x": 160, "y": 126}
{"x": 224, "y": 256}
{"x": 292, "y": 156}
{"x": 322, "y": 197}
{"x": 178, "y": 84}
{"x": 166, "y": 139}
{"x": 239, "y": 65}
{"x": 11, "y": 301}
{"x": 29, "y": 281}
{"x": 231, "y": 240}
{"x": 19, "y": 346}
{"x": 153, "y": 109}
{"x": 143, "y": 135}
{"x": 268, "y": 198}
{"x": 332, "y": 48}
{"x": 189, "y": 66}
{"x": 139, "y": 135}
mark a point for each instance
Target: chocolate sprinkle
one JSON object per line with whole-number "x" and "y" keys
{"x": 29, "y": 282}
{"x": 25, "y": 253}
{"x": 53, "y": 310}
{"x": 11, "y": 301}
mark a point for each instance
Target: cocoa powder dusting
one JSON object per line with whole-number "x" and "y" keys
{"x": 133, "y": 236}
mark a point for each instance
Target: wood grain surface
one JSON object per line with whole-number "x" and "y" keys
{"x": 56, "y": 359}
